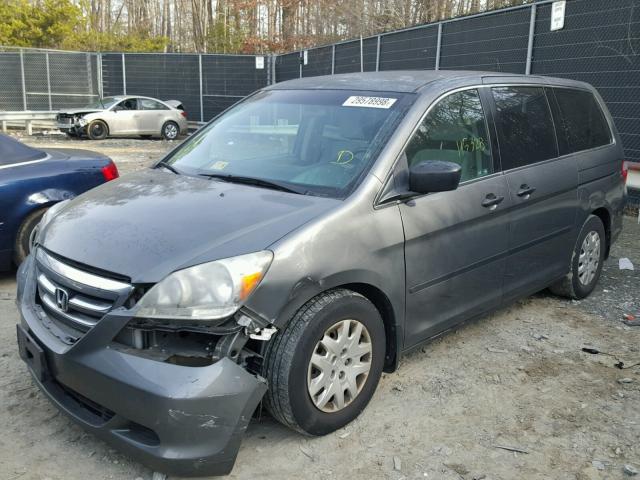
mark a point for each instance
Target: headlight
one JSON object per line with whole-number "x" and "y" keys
{"x": 206, "y": 292}
{"x": 82, "y": 121}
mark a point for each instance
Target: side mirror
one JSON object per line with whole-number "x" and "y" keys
{"x": 434, "y": 176}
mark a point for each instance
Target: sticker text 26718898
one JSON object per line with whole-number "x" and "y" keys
{"x": 369, "y": 102}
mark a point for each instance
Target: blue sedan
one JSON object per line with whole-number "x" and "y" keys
{"x": 33, "y": 180}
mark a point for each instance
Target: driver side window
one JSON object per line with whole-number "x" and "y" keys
{"x": 128, "y": 104}
{"x": 454, "y": 131}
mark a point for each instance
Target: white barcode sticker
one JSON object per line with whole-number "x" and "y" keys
{"x": 369, "y": 102}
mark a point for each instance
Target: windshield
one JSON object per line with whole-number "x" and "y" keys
{"x": 314, "y": 141}
{"x": 105, "y": 103}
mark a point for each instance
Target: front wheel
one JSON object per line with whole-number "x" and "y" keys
{"x": 170, "y": 131}
{"x": 97, "y": 130}
{"x": 323, "y": 368}
{"x": 586, "y": 261}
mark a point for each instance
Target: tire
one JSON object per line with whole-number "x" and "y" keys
{"x": 170, "y": 130}
{"x": 97, "y": 130}
{"x": 584, "y": 275}
{"x": 22, "y": 245}
{"x": 287, "y": 363}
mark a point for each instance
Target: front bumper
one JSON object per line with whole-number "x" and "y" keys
{"x": 175, "y": 419}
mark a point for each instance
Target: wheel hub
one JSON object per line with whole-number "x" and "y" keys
{"x": 339, "y": 366}
{"x": 589, "y": 258}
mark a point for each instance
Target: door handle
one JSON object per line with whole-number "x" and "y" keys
{"x": 525, "y": 190}
{"x": 491, "y": 201}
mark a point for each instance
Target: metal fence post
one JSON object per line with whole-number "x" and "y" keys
{"x": 532, "y": 33}
{"x": 378, "y": 55}
{"x": 361, "y": 55}
{"x": 124, "y": 75}
{"x": 201, "y": 98}
{"x": 274, "y": 59}
{"x": 438, "y": 46}
{"x": 24, "y": 89}
{"x": 333, "y": 59}
{"x": 99, "y": 73}
{"x": 48, "y": 81}
{"x": 301, "y": 60}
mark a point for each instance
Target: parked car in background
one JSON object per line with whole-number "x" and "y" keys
{"x": 33, "y": 180}
{"x": 125, "y": 116}
{"x": 300, "y": 243}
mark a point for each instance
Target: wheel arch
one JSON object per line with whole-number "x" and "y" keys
{"x": 605, "y": 216}
{"x": 384, "y": 306}
{"x": 381, "y": 300}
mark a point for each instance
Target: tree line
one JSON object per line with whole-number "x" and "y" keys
{"x": 221, "y": 26}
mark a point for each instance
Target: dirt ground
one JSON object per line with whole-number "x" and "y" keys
{"x": 515, "y": 379}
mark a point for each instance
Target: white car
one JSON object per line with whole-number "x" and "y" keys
{"x": 125, "y": 116}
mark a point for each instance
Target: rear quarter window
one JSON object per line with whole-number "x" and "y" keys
{"x": 580, "y": 122}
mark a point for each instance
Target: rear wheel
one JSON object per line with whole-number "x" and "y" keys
{"x": 323, "y": 368}
{"x": 26, "y": 236}
{"x": 97, "y": 130}
{"x": 170, "y": 131}
{"x": 586, "y": 261}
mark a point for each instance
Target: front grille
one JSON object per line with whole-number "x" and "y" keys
{"x": 73, "y": 298}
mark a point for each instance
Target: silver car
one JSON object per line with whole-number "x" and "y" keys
{"x": 125, "y": 116}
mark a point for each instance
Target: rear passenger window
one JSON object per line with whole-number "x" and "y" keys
{"x": 581, "y": 124}
{"x": 525, "y": 127}
{"x": 454, "y": 131}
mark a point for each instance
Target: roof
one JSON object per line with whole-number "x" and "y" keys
{"x": 403, "y": 81}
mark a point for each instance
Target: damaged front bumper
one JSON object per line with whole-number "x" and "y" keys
{"x": 176, "y": 419}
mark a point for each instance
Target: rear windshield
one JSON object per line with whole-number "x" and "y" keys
{"x": 13, "y": 152}
{"x": 321, "y": 142}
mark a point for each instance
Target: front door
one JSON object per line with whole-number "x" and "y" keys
{"x": 455, "y": 242}
{"x": 123, "y": 117}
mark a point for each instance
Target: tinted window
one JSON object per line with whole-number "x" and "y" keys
{"x": 580, "y": 122}
{"x": 146, "y": 104}
{"x": 525, "y": 128}
{"x": 454, "y": 131}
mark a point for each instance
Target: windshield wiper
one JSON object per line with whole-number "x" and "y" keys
{"x": 168, "y": 167}
{"x": 259, "y": 182}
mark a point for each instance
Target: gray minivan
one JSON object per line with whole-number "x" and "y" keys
{"x": 299, "y": 243}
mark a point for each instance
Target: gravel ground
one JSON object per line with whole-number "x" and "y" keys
{"x": 517, "y": 378}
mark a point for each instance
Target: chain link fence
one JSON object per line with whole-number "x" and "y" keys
{"x": 44, "y": 80}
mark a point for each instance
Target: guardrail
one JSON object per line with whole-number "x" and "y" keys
{"x": 28, "y": 119}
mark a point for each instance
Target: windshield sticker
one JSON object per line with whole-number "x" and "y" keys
{"x": 369, "y": 102}
{"x": 220, "y": 165}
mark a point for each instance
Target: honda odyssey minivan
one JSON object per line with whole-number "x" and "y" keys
{"x": 296, "y": 246}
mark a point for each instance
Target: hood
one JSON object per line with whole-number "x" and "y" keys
{"x": 151, "y": 223}
{"x": 81, "y": 111}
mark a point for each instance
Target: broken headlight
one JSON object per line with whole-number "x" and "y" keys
{"x": 82, "y": 121}
{"x": 209, "y": 291}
